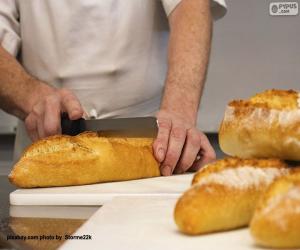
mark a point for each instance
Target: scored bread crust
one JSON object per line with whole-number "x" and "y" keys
{"x": 276, "y": 221}
{"x": 224, "y": 194}
{"x": 265, "y": 126}
{"x": 87, "y": 158}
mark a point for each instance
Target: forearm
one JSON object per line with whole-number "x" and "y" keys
{"x": 18, "y": 90}
{"x": 189, "y": 48}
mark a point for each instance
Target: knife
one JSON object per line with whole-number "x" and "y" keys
{"x": 114, "y": 127}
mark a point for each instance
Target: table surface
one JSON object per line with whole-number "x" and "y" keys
{"x": 37, "y": 221}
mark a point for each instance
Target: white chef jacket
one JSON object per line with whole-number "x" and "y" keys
{"x": 110, "y": 53}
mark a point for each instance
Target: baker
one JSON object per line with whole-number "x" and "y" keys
{"x": 105, "y": 59}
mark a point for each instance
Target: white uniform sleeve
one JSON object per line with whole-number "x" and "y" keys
{"x": 218, "y": 7}
{"x": 9, "y": 26}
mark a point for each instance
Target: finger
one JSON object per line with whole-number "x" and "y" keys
{"x": 38, "y": 112}
{"x": 190, "y": 151}
{"x": 71, "y": 104}
{"x": 207, "y": 154}
{"x": 31, "y": 127}
{"x": 160, "y": 144}
{"x": 176, "y": 142}
{"x": 52, "y": 115}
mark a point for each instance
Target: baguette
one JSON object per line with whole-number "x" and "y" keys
{"x": 224, "y": 194}
{"x": 276, "y": 221}
{"x": 265, "y": 126}
{"x": 84, "y": 159}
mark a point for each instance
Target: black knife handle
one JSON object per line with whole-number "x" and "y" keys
{"x": 70, "y": 127}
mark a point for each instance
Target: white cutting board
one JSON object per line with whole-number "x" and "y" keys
{"x": 134, "y": 223}
{"x": 53, "y": 212}
{"x": 98, "y": 194}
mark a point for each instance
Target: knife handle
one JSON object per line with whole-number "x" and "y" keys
{"x": 70, "y": 127}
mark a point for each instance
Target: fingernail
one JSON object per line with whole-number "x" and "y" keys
{"x": 161, "y": 154}
{"x": 166, "y": 170}
{"x": 75, "y": 114}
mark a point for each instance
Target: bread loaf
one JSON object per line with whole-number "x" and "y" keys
{"x": 224, "y": 194}
{"x": 84, "y": 159}
{"x": 276, "y": 221}
{"x": 266, "y": 125}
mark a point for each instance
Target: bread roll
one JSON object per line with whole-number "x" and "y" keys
{"x": 84, "y": 159}
{"x": 266, "y": 125}
{"x": 276, "y": 221}
{"x": 224, "y": 194}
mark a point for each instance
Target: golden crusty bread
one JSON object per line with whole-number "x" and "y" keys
{"x": 84, "y": 159}
{"x": 224, "y": 194}
{"x": 267, "y": 125}
{"x": 276, "y": 221}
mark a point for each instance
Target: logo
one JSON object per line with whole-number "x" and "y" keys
{"x": 283, "y": 9}
{"x": 274, "y": 9}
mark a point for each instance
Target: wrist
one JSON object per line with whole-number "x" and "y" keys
{"x": 181, "y": 100}
{"x": 38, "y": 92}
{"x": 186, "y": 115}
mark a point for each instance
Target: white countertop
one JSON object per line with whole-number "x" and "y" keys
{"x": 147, "y": 223}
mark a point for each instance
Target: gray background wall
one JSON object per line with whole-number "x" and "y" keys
{"x": 252, "y": 51}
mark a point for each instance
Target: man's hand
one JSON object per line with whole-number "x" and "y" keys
{"x": 34, "y": 101}
{"x": 45, "y": 116}
{"x": 179, "y": 145}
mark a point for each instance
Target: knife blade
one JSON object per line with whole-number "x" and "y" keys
{"x": 113, "y": 127}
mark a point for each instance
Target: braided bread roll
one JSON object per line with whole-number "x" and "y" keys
{"x": 276, "y": 221}
{"x": 224, "y": 194}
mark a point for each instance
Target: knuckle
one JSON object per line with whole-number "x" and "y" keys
{"x": 29, "y": 123}
{"x": 66, "y": 95}
{"x": 178, "y": 133}
{"x": 50, "y": 130}
{"x": 171, "y": 157}
{"x": 49, "y": 100}
{"x": 49, "y": 104}
{"x": 36, "y": 110}
{"x": 198, "y": 135}
{"x": 194, "y": 138}
{"x": 67, "y": 98}
{"x": 164, "y": 123}
{"x": 163, "y": 133}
